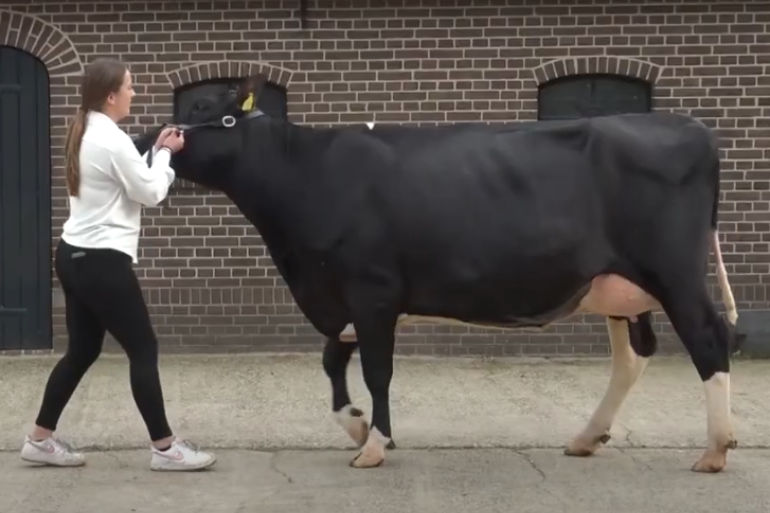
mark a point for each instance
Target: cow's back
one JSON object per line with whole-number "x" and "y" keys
{"x": 541, "y": 206}
{"x": 476, "y": 210}
{"x": 525, "y": 177}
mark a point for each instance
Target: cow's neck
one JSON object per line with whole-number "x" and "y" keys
{"x": 263, "y": 191}
{"x": 255, "y": 204}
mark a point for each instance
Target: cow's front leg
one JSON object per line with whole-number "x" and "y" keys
{"x": 336, "y": 357}
{"x": 632, "y": 344}
{"x": 376, "y": 335}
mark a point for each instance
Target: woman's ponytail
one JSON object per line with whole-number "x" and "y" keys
{"x": 101, "y": 78}
{"x": 72, "y": 155}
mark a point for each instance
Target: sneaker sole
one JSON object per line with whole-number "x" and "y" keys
{"x": 202, "y": 466}
{"x": 51, "y": 464}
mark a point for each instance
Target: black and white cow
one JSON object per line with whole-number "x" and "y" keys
{"x": 513, "y": 225}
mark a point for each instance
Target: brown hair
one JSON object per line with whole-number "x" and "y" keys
{"x": 101, "y": 78}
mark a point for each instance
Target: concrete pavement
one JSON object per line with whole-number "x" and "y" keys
{"x": 280, "y": 402}
{"x": 420, "y": 481}
{"x": 501, "y": 423}
{"x": 424, "y": 481}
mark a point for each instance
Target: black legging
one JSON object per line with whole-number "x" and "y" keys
{"x": 102, "y": 294}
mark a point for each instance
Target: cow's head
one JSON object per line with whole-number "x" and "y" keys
{"x": 235, "y": 103}
{"x": 215, "y": 135}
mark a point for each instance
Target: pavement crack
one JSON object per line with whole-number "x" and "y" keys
{"x": 547, "y": 489}
{"x": 628, "y": 437}
{"x": 635, "y": 459}
{"x": 528, "y": 458}
{"x": 274, "y": 467}
{"x": 121, "y": 464}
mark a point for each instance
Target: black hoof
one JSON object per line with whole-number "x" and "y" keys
{"x": 391, "y": 445}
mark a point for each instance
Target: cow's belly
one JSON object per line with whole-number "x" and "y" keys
{"x": 610, "y": 295}
{"x": 414, "y": 319}
{"x": 614, "y": 295}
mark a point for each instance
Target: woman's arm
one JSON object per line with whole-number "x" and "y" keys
{"x": 145, "y": 142}
{"x": 146, "y": 185}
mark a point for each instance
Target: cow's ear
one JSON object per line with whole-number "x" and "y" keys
{"x": 249, "y": 92}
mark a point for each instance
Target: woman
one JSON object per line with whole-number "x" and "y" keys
{"x": 108, "y": 182}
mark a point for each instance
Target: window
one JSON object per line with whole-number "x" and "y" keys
{"x": 579, "y": 96}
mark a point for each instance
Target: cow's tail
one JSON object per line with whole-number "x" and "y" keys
{"x": 724, "y": 283}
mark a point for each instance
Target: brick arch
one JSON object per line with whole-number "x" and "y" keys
{"x": 632, "y": 68}
{"x": 206, "y": 70}
{"x": 41, "y": 39}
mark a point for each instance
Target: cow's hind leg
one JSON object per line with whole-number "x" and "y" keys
{"x": 706, "y": 336}
{"x": 336, "y": 358}
{"x": 632, "y": 345}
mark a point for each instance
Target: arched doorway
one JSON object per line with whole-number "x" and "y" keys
{"x": 25, "y": 202}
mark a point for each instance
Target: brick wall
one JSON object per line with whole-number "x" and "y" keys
{"x": 208, "y": 280}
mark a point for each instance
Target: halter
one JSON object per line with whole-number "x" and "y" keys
{"x": 224, "y": 122}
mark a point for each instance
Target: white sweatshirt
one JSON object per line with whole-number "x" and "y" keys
{"x": 114, "y": 184}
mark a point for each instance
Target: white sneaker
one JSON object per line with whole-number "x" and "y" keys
{"x": 51, "y": 451}
{"x": 182, "y": 455}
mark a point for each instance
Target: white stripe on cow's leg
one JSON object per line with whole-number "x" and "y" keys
{"x": 627, "y": 367}
{"x": 720, "y": 429}
{"x": 349, "y": 333}
{"x": 336, "y": 357}
{"x": 354, "y": 423}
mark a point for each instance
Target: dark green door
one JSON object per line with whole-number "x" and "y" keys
{"x": 25, "y": 203}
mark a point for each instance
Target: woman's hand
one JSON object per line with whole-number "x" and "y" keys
{"x": 172, "y": 138}
{"x": 164, "y": 135}
{"x": 175, "y": 141}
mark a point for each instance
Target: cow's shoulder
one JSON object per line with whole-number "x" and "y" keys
{"x": 331, "y": 186}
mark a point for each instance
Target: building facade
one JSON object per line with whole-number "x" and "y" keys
{"x": 209, "y": 282}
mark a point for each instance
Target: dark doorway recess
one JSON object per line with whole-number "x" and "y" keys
{"x": 582, "y": 96}
{"x": 25, "y": 202}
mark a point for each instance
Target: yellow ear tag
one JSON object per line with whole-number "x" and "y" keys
{"x": 248, "y": 104}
